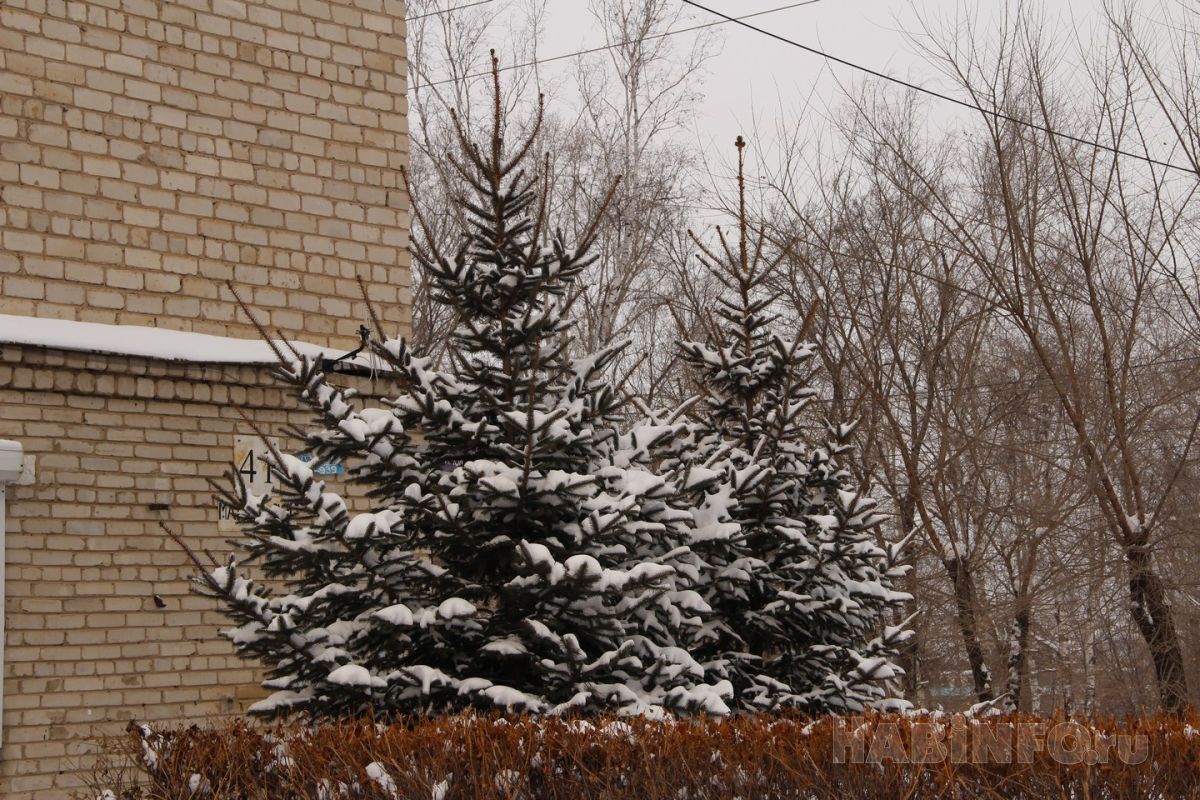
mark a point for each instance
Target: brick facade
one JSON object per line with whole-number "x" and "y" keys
{"x": 149, "y": 153}
{"x": 152, "y": 151}
{"x": 87, "y": 647}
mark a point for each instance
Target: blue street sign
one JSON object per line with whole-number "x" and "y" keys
{"x": 328, "y": 468}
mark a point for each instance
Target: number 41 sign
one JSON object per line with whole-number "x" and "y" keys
{"x": 251, "y": 460}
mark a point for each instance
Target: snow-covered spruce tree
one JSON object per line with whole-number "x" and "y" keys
{"x": 523, "y": 552}
{"x": 800, "y": 587}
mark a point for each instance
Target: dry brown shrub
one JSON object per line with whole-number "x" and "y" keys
{"x": 497, "y": 758}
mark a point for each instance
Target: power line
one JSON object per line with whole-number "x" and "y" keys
{"x": 933, "y": 93}
{"x": 448, "y": 10}
{"x": 725, "y": 19}
{"x": 602, "y": 48}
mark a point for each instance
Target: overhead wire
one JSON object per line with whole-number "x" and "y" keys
{"x": 939, "y": 95}
{"x": 602, "y": 48}
{"x": 741, "y": 20}
{"x": 448, "y": 10}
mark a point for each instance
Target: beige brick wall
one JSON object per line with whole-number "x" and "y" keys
{"x": 87, "y": 647}
{"x": 151, "y": 151}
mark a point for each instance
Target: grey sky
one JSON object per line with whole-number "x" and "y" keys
{"x": 756, "y": 83}
{"x": 757, "y": 79}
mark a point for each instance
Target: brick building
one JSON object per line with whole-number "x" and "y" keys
{"x": 150, "y": 152}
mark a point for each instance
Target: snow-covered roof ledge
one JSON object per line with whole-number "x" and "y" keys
{"x": 145, "y": 342}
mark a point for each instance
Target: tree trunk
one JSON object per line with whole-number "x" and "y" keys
{"x": 1153, "y": 617}
{"x": 968, "y": 624}
{"x": 909, "y": 655}
{"x": 1035, "y": 688}
{"x": 1018, "y": 658}
{"x": 1089, "y": 658}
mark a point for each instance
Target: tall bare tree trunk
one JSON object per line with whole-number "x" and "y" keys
{"x": 1018, "y": 656}
{"x": 966, "y": 604}
{"x": 1154, "y": 619}
{"x": 1035, "y": 688}
{"x": 909, "y": 657}
{"x": 1089, "y": 656}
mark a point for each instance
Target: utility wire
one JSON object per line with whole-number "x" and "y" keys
{"x": 932, "y": 93}
{"x": 725, "y": 19}
{"x": 602, "y": 48}
{"x": 448, "y": 10}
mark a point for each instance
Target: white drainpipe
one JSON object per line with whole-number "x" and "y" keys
{"x": 11, "y": 458}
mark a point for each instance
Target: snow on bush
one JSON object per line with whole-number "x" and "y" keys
{"x": 531, "y": 550}
{"x": 525, "y": 551}
{"x": 801, "y": 588}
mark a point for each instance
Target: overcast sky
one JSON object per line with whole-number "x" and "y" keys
{"x": 754, "y": 78}
{"x": 756, "y": 83}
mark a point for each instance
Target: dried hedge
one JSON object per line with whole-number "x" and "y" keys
{"x": 485, "y": 758}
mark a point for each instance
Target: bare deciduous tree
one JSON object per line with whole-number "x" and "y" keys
{"x": 1070, "y": 239}
{"x": 907, "y": 333}
{"x": 637, "y": 96}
